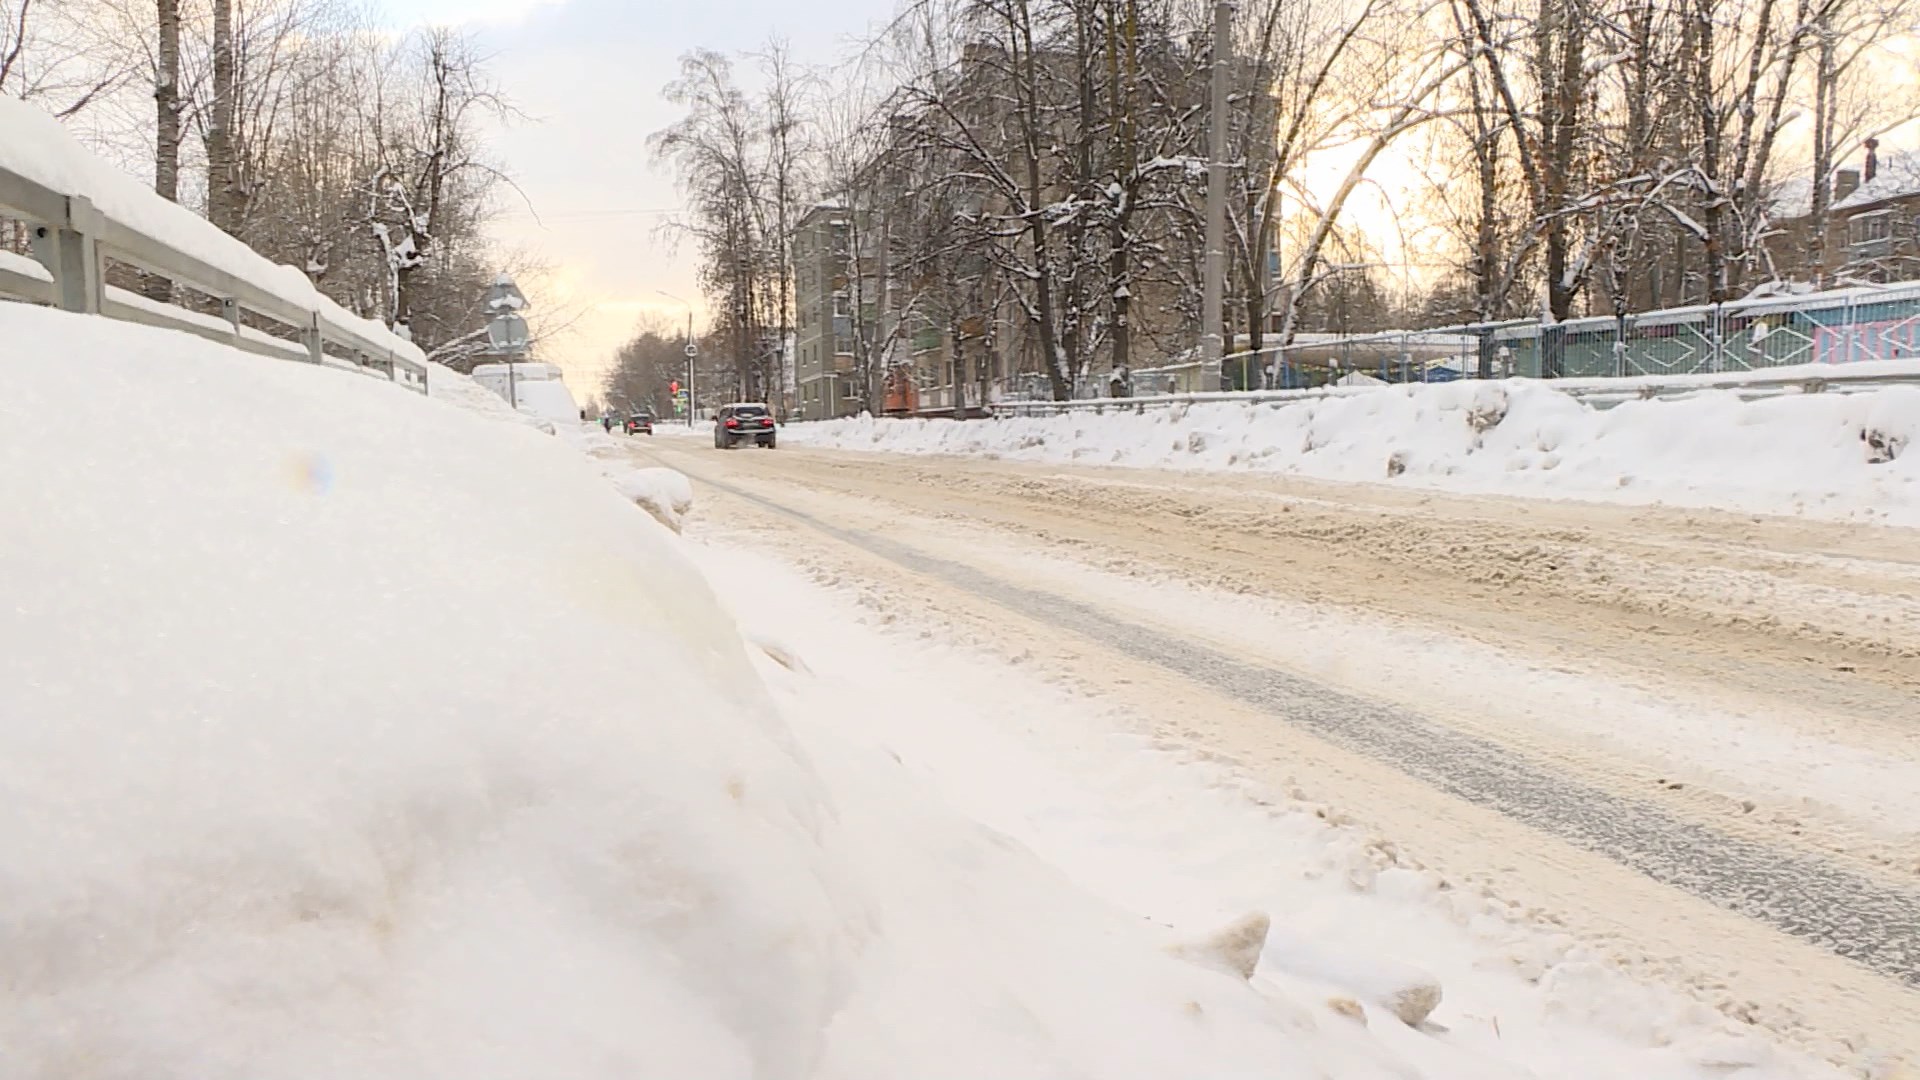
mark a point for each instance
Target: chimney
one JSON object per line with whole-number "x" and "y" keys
{"x": 1873, "y": 161}
{"x": 1845, "y": 183}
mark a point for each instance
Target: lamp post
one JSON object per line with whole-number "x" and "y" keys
{"x": 691, "y": 349}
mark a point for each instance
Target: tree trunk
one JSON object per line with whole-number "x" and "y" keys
{"x": 1120, "y": 270}
{"x": 1824, "y": 108}
{"x": 166, "y": 143}
{"x": 1702, "y": 87}
{"x": 1561, "y": 89}
{"x": 222, "y": 181}
{"x": 1027, "y": 95}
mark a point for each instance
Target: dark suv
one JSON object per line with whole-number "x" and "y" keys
{"x": 746, "y": 422}
{"x": 640, "y": 422}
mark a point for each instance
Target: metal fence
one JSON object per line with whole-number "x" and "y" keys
{"x": 1749, "y": 335}
{"x": 73, "y": 242}
{"x": 1814, "y": 342}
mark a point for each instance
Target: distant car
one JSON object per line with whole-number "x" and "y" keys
{"x": 745, "y": 422}
{"x": 639, "y": 423}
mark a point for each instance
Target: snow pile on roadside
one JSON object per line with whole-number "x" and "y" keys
{"x": 348, "y": 735}
{"x": 446, "y": 384}
{"x": 548, "y": 399}
{"x": 535, "y": 388}
{"x": 1827, "y": 455}
{"x": 664, "y": 493}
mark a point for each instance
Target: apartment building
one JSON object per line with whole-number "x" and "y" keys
{"x": 824, "y": 368}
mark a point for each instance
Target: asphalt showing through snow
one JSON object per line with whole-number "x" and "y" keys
{"x": 1872, "y": 923}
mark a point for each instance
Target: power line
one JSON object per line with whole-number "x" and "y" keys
{"x": 634, "y": 211}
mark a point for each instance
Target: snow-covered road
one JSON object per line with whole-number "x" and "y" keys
{"x": 1687, "y": 739}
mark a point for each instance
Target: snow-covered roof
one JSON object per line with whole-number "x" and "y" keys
{"x": 1791, "y": 198}
{"x": 1899, "y": 174}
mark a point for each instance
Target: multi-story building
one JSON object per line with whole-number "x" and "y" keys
{"x": 824, "y": 367}
{"x": 1873, "y": 227}
{"x": 1876, "y": 219}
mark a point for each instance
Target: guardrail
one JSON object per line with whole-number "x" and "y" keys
{"x": 81, "y": 213}
{"x": 1600, "y": 392}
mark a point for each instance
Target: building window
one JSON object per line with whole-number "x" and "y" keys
{"x": 1872, "y": 228}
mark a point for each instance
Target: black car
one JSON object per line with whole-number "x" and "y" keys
{"x": 745, "y": 422}
{"x": 639, "y": 422}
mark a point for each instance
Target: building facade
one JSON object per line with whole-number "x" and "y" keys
{"x": 824, "y": 347}
{"x": 1873, "y": 227}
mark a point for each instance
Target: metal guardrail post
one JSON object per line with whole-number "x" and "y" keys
{"x": 1718, "y": 343}
{"x": 314, "y": 340}
{"x": 71, "y": 254}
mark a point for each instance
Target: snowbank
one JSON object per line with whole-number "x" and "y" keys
{"x": 664, "y": 493}
{"x": 1849, "y": 456}
{"x": 309, "y": 767}
{"x": 549, "y": 400}
{"x": 349, "y": 734}
{"x": 40, "y": 149}
{"x": 537, "y": 388}
{"x": 448, "y": 385}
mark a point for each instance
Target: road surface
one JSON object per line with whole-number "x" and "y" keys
{"x": 1690, "y": 739}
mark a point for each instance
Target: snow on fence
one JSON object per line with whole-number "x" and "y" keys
{"x": 1841, "y": 326}
{"x": 1599, "y": 392}
{"x": 81, "y": 213}
{"x": 1842, "y": 340}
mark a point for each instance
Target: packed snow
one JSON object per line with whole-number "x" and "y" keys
{"x": 351, "y": 733}
{"x": 1841, "y": 456}
{"x": 1179, "y": 841}
{"x": 463, "y": 392}
{"x": 537, "y": 389}
{"x": 661, "y": 492}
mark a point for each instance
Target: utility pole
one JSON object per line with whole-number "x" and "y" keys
{"x": 1212, "y": 342}
{"x": 692, "y": 350}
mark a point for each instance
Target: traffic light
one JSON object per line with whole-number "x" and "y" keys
{"x": 674, "y": 387}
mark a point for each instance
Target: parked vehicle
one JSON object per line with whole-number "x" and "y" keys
{"x": 748, "y": 421}
{"x": 639, "y": 423}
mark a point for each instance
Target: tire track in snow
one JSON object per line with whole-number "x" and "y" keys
{"x": 1873, "y": 924}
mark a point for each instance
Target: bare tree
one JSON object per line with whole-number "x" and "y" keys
{"x": 56, "y": 54}
{"x": 167, "y": 108}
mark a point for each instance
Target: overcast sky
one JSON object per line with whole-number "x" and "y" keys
{"x": 588, "y": 73}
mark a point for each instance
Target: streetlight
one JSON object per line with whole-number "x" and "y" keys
{"x": 692, "y": 350}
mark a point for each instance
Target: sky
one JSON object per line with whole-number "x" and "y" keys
{"x": 588, "y": 76}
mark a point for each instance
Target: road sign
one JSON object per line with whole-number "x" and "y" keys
{"x": 504, "y": 295}
{"x": 507, "y": 333}
{"x": 691, "y": 349}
